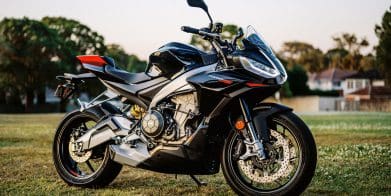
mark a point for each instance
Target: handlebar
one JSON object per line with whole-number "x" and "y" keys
{"x": 214, "y": 36}
{"x": 190, "y": 30}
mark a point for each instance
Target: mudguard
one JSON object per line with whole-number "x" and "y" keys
{"x": 261, "y": 113}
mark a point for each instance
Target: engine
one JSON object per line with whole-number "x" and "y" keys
{"x": 171, "y": 121}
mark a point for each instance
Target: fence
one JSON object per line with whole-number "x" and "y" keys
{"x": 319, "y": 104}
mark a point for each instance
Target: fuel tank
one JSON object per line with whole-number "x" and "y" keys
{"x": 175, "y": 57}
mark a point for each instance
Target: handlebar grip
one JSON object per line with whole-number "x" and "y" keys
{"x": 190, "y": 30}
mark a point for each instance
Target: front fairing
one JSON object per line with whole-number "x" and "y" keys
{"x": 258, "y": 58}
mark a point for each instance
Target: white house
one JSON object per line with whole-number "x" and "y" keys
{"x": 330, "y": 79}
{"x": 363, "y": 82}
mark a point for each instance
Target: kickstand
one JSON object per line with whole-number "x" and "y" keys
{"x": 199, "y": 183}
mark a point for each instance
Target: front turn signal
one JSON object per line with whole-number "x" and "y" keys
{"x": 240, "y": 124}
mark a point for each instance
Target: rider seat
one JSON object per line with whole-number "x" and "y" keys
{"x": 130, "y": 78}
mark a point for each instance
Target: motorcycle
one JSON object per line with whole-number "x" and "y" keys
{"x": 189, "y": 113}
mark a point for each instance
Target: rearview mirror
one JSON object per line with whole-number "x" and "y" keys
{"x": 198, "y": 3}
{"x": 201, "y": 4}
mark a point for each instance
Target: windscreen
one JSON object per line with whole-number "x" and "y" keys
{"x": 257, "y": 40}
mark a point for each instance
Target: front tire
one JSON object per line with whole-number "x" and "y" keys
{"x": 92, "y": 168}
{"x": 258, "y": 178}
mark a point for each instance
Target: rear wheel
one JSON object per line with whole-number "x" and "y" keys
{"x": 289, "y": 167}
{"x": 91, "y": 168}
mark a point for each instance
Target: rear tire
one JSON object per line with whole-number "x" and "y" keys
{"x": 302, "y": 175}
{"x": 68, "y": 169}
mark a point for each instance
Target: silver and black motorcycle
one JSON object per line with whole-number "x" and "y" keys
{"x": 189, "y": 113}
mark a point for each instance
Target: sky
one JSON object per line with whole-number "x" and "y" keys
{"x": 142, "y": 26}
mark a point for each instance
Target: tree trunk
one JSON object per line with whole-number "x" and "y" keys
{"x": 13, "y": 98}
{"x": 2, "y": 96}
{"x": 41, "y": 95}
{"x": 29, "y": 100}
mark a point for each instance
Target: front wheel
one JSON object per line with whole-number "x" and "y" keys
{"x": 290, "y": 164}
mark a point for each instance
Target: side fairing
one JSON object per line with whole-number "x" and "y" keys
{"x": 178, "y": 83}
{"x": 219, "y": 88}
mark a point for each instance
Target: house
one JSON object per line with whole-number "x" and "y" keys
{"x": 328, "y": 80}
{"x": 370, "y": 93}
{"x": 362, "y": 80}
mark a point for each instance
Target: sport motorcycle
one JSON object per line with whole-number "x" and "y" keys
{"x": 191, "y": 112}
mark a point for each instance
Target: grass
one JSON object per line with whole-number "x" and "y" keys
{"x": 354, "y": 157}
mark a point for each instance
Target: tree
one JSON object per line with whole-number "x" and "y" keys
{"x": 348, "y": 48}
{"x": 229, "y": 32}
{"x": 116, "y": 52}
{"x": 334, "y": 58}
{"x": 368, "y": 62}
{"x": 28, "y": 50}
{"x": 128, "y": 62}
{"x": 304, "y": 54}
{"x": 383, "y": 50}
{"x": 78, "y": 39}
{"x": 297, "y": 78}
{"x": 350, "y": 43}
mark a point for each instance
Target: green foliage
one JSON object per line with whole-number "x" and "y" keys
{"x": 383, "y": 50}
{"x": 33, "y": 52}
{"x": 297, "y": 78}
{"x": 302, "y": 53}
{"x": 346, "y": 55}
{"x": 77, "y": 36}
{"x": 334, "y": 57}
{"x": 29, "y": 51}
{"x": 78, "y": 39}
{"x": 350, "y": 47}
{"x": 229, "y": 32}
{"x": 135, "y": 64}
{"x": 116, "y": 52}
{"x": 128, "y": 62}
{"x": 350, "y": 42}
{"x": 285, "y": 90}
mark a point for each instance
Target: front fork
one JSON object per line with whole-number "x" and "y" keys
{"x": 255, "y": 142}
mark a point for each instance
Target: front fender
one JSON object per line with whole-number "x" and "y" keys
{"x": 262, "y": 112}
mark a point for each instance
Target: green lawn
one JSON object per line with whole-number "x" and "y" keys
{"x": 354, "y": 157}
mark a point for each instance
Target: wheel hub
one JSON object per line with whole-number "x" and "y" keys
{"x": 276, "y": 166}
{"x": 76, "y": 155}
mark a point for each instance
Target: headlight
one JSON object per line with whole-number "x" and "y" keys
{"x": 258, "y": 68}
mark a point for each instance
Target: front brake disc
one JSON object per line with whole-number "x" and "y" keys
{"x": 283, "y": 169}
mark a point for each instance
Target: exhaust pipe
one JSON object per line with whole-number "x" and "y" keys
{"x": 129, "y": 155}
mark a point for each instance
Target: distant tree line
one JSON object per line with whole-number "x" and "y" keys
{"x": 33, "y": 52}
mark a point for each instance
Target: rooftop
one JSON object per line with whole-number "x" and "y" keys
{"x": 332, "y": 74}
{"x": 370, "y": 74}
